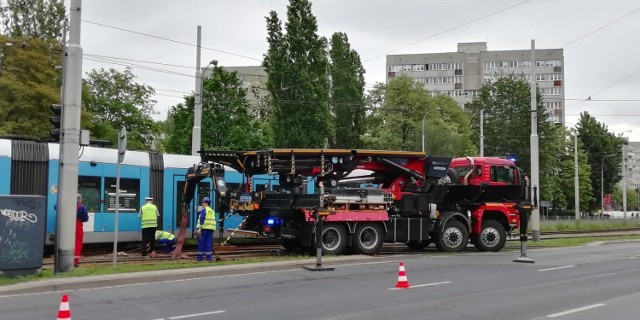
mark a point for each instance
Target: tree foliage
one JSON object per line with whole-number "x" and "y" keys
{"x": 598, "y": 143}
{"x": 115, "y": 100}
{"x": 347, "y": 93}
{"x": 29, "y": 84}
{"x": 563, "y": 179}
{"x": 395, "y": 121}
{"x": 40, "y": 19}
{"x": 226, "y": 124}
{"x": 297, "y": 69}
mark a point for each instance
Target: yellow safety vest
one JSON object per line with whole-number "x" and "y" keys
{"x": 209, "y": 220}
{"x": 164, "y": 235}
{"x": 149, "y": 216}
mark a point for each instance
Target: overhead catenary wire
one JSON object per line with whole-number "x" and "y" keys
{"x": 170, "y": 40}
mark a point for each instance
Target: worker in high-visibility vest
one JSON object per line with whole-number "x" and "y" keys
{"x": 148, "y": 222}
{"x": 165, "y": 241}
{"x": 205, "y": 226}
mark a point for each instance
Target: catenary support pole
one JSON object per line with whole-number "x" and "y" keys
{"x": 482, "y": 132}
{"x": 65, "y": 27}
{"x": 69, "y": 143}
{"x": 625, "y": 175}
{"x": 576, "y": 187}
{"x": 535, "y": 157}
{"x": 197, "y": 115}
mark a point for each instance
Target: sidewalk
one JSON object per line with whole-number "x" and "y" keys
{"x": 85, "y": 282}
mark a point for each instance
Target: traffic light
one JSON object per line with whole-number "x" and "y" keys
{"x": 56, "y": 121}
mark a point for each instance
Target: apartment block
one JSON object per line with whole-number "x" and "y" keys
{"x": 461, "y": 74}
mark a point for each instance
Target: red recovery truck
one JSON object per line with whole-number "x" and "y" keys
{"x": 420, "y": 198}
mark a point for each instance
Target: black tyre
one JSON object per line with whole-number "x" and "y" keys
{"x": 334, "y": 239}
{"x": 454, "y": 237}
{"x": 492, "y": 237}
{"x": 418, "y": 245}
{"x": 368, "y": 238}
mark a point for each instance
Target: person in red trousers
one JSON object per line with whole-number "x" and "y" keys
{"x": 81, "y": 217}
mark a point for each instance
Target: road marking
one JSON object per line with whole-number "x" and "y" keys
{"x": 423, "y": 285}
{"x": 196, "y": 315}
{"x": 559, "y": 314}
{"x": 558, "y": 268}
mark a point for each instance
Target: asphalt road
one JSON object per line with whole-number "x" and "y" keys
{"x": 583, "y": 283}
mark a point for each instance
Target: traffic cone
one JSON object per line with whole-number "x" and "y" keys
{"x": 64, "y": 313}
{"x": 402, "y": 278}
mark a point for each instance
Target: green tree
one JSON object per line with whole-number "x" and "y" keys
{"x": 632, "y": 200}
{"x": 297, "y": 68}
{"x": 506, "y": 102}
{"x": 562, "y": 185}
{"x": 225, "y": 119}
{"x": 115, "y": 100}
{"x": 29, "y": 84}
{"x": 598, "y": 143}
{"x": 395, "y": 121}
{"x": 40, "y": 19}
{"x": 347, "y": 93}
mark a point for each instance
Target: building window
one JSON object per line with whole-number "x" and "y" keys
{"x": 557, "y": 83}
{"x": 458, "y": 86}
{"x": 391, "y": 74}
{"x": 90, "y": 188}
{"x": 458, "y": 72}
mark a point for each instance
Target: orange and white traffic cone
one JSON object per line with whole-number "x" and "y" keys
{"x": 402, "y": 278}
{"x": 64, "y": 313}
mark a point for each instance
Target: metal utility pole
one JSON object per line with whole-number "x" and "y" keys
{"x": 535, "y": 157}
{"x": 625, "y": 175}
{"x": 69, "y": 143}
{"x": 423, "y": 117}
{"x": 197, "y": 115}
{"x": 577, "y": 179}
{"x": 122, "y": 149}
{"x": 482, "y": 132}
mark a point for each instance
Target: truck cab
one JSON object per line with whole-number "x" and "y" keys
{"x": 486, "y": 171}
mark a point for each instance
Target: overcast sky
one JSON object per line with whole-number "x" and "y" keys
{"x": 594, "y": 65}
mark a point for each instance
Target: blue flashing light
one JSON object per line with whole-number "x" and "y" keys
{"x": 271, "y": 221}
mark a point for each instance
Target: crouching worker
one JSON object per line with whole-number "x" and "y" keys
{"x": 205, "y": 226}
{"x": 165, "y": 241}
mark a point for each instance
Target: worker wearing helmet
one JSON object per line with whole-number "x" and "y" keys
{"x": 165, "y": 241}
{"x": 205, "y": 226}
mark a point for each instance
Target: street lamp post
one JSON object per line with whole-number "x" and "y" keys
{"x": 602, "y": 185}
{"x": 197, "y": 114}
{"x": 423, "y": 117}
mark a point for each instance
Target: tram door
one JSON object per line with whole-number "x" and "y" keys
{"x": 203, "y": 190}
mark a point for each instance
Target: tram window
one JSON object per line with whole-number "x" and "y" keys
{"x": 129, "y": 194}
{"x": 89, "y": 188}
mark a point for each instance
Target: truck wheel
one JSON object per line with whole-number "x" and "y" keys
{"x": 334, "y": 239}
{"x": 454, "y": 237}
{"x": 368, "y": 238}
{"x": 418, "y": 245}
{"x": 492, "y": 236}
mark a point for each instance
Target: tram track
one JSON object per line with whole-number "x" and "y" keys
{"x": 101, "y": 257}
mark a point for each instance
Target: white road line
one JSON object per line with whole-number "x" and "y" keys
{"x": 196, "y": 315}
{"x": 559, "y": 314}
{"x": 423, "y": 285}
{"x": 558, "y": 268}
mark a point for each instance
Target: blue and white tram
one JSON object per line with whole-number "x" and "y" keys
{"x": 28, "y": 167}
